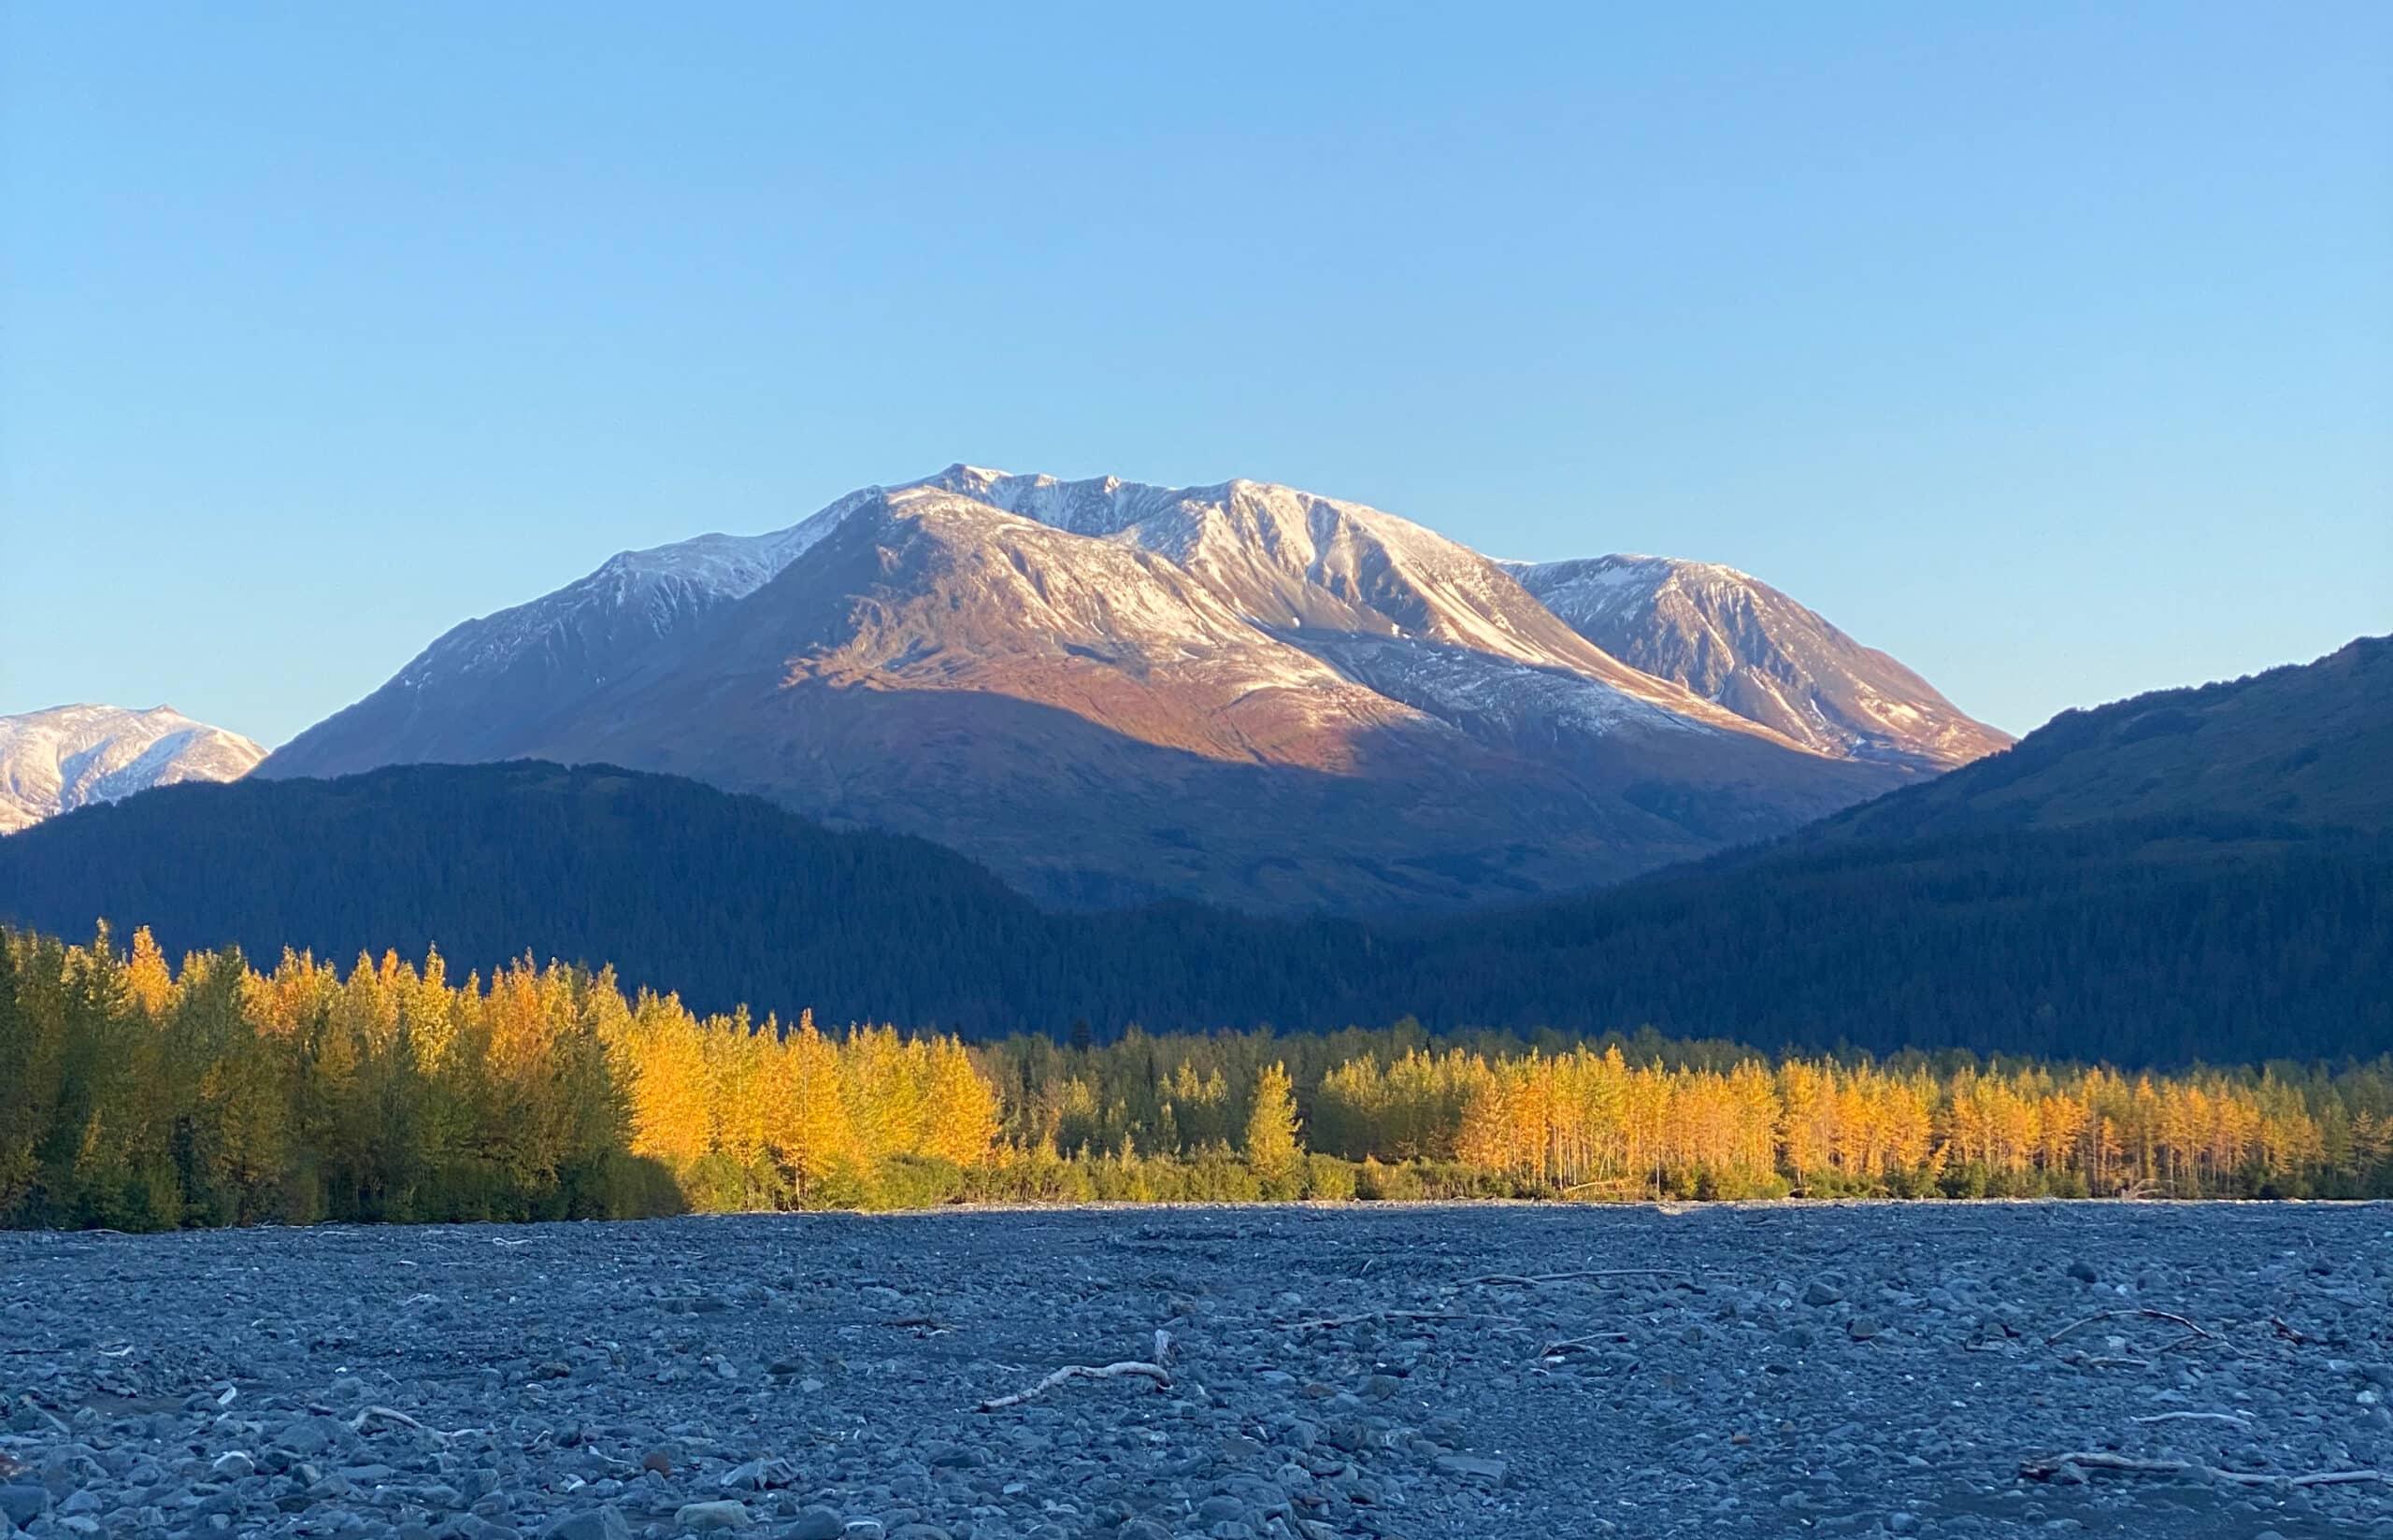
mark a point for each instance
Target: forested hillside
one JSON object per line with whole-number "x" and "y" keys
{"x": 138, "y": 1094}
{"x": 724, "y": 898}
{"x": 2155, "y": 942}
{"x": 2160, "y": 941}
{"x": 2304, "y": 745}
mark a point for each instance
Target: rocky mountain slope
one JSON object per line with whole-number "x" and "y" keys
{"x": 1737, "y": 641}
{"x": 1112, "y": 693}
{"x": 70, "y": 756}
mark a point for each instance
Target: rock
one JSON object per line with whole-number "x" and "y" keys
{"x": 2083, "y": 1273}
{"x": 725, "y": 1514}
{"x": 233, "y": 1466}
{"x": 1898, "y": 1411}
{"x": 309, "y": 1435}
{"x": 815, "y": 1523}
{"x": 473, "y": 1528}
{"x": 602, "y": 1523}
{"x": 24, "y": 1503}
{"x": 1821, "y": 1293}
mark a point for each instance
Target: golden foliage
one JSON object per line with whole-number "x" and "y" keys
{"x": 134, "y": 1093}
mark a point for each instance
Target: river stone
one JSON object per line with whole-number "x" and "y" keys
{"x": 725, "y": 1514}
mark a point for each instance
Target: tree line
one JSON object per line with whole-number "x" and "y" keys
{"x": 139, "y": 1094}
{"x": 2160, "y": 943}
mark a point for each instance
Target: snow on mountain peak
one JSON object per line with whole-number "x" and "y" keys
{"x": 1390, "y": 607}
{"x": 981, "y": 655}
{"x": 70, "y": 756}
{"x": 1733, "y": 639}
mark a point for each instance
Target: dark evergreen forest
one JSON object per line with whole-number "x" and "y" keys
{"x": 2154, "y": 942}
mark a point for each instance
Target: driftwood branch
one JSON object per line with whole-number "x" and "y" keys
{"x": 2238, "y": 1419}
{"x": 2138, "y": 1310}
{"x": 1535, "y": 1280}
{"x": 1155, "y": 1369}
{"x": 1328, "y": 1322}
{"x": 1137, "y": 1368}
{"x": 392, "y": 1416}
{"x": 2100, "y": 1459}
{"x": 1577, "y": 1345}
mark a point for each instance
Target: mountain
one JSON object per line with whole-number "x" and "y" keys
{"x": 2187, "y": 874}
{"x": 724, "y": 899}
{"x": 2215, "y": 922}
{"x": 1112, "y": 693}
{"x": 1737, "y": 641}
{"x": 71, "y": 756}
{"x": 2308, "y": 744}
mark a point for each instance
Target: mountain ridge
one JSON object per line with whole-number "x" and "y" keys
{"x": 2304, "y": 745}
{"x": 2205, "y": 924}
{"x": 1732, "y": 638}
{"x": 67, "y": 757}
{"x": 1108, "y": 688}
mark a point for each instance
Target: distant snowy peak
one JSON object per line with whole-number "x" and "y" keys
{"x": 70, "y": 756}
{"x": 1733, "y": 639}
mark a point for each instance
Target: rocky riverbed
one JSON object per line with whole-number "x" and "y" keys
{"x": 1362, "y": 1371}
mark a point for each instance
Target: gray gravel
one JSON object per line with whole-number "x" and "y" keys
{"x": 1796, "y": 1369}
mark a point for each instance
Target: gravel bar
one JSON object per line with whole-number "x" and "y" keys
{"x": 1935, "y": 1369}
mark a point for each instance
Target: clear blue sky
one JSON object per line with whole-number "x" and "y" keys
{"x": 2049, "y": 347}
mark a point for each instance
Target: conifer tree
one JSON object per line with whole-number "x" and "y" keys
{"x": 1272, "y": 1146}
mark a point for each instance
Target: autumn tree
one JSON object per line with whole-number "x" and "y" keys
{"x": 1272, "y": 1143}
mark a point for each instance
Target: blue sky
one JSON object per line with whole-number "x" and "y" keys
{"x": 2048, "y": 347}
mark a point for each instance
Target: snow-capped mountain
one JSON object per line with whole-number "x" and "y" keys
{"x": 56, "y": 761}
{"x": 1734, "y": 640}
{"x": 1112, "y": 691}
